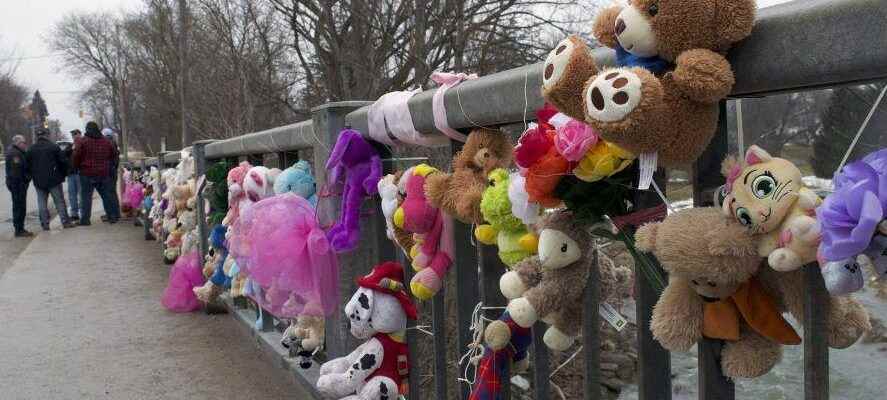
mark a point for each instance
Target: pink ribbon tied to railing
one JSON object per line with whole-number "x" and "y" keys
{"x": 446, "y": 80}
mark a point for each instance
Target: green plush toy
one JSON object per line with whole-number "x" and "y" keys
{"x": 217, "y": 191}
{"x": 503, "y": 229}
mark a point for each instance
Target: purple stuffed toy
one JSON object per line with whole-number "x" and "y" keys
{"x": 356, "y": 162}
{"x": 853, "y": 222}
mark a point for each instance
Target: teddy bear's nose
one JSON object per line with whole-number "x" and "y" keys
{"x": 620, "y": 26}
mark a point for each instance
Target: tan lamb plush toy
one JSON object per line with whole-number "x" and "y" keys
{"x": 549, "y": 286}
{"x": 720, "y": 288}
{"x": 663, "y": 96}
{"x": 458, "y": 194}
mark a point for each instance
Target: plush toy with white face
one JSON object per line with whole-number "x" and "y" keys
{"x": 377, "y": 369}
{"x": 767, "y": 196}
{"x": 548, "y": 286}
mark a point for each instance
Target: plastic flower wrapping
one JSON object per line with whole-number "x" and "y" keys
{"x": 280, "y": 246}
{"x": 850, "y": 216}
{"x": 134, "y": 195}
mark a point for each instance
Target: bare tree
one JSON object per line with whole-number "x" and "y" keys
{"x": 351, "y": 49}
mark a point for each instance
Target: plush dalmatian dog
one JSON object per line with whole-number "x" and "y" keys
{"x": 378, "y": 368}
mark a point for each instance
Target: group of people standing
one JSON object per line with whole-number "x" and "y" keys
{"x": 86, "y": 163}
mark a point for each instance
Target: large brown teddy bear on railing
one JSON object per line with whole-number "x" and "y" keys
{"x": 718, "y": 287}
{"x": 663, "y": 96}
{"x": 459, "y": 193}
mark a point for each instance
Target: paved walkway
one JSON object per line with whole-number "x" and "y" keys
{"x": 80, "y": 318}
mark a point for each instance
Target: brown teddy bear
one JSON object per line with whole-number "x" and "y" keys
{"x": 663, "y": 96}
{"x": 459, "y": 193}
{"x": 718, "y": 289}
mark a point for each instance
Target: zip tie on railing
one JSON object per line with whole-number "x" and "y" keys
{"x": 421, "y": 328}
{"x": 865, "y": 123}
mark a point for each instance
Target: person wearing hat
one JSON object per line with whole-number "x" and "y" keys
{"x": 18, "y": 179}
{"x": 94, "y": 156}
{"x": 48, "y": 167}
{"x": 378, "y": 313}
{"x": 72, "y": 181}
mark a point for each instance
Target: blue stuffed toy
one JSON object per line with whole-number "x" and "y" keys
{"x": 218, "y": 280}
{"x": 299, "y": 180}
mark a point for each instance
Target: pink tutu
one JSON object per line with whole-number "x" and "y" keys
{"x": 184, "y": 276}
{"x": 279, "y": 245}
{"x": 134, "y": 195}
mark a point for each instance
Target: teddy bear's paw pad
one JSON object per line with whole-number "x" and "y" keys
{"x": 613, "y": 95}
{"x": 556, "y": 63}
{"x": 843, "y": 276}
{"x": 557, "y": 340}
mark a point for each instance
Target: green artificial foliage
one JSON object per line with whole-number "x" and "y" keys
{"x": 591, "y": 201}
{"x": 217, "y": 191}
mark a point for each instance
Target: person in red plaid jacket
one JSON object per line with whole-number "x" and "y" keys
{"x": 94, "y": 156}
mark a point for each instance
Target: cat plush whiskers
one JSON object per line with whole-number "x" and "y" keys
{"x": 766, "y": 194}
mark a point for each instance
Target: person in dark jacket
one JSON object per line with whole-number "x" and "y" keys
{"x": 73, "y": 179}
{"x": 17, "y": 180}
{"x": 48, "y": 168}
{"x": 93, "y": 157}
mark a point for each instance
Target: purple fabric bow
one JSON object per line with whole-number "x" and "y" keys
{"x": 850, "y": 216}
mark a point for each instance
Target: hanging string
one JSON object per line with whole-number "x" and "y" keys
{"x": 739, "y": 131}
{"x": 423, "y": 329}
{"x": 475, "y": 348}
{"x": 526, "y": 99}
{"x": 560, "y": 391}
{"x": 662, "y": 196}
{"x": 865, "y": 123}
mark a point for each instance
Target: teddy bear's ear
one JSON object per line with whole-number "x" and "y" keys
{"x": 756, "y": 155}
{"x": 645, "y": 237}
{"x": 735, "y": 20}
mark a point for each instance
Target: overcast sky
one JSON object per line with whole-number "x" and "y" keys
{"x": 25, "y": 24}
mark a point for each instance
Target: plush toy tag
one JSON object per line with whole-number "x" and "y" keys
{"x": 648, "y": 162}
{"x": 612, "y": 316}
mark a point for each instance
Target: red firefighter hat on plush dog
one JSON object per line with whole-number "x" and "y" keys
{"x": 388, "y": 278}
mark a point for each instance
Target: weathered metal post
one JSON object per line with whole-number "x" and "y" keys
{"x": 198, "y": 151}
{"x": 327, "y": 121}
{"x": 713, "y": 385}
{"x": 816, "y": 308}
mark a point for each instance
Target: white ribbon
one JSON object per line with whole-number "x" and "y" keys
{"x": 446, "y": 81}
{"x": 389, "y": 121}
{"x": 648, "y": 163}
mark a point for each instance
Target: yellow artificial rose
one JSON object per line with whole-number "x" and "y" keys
{"x": 604, "y": 160}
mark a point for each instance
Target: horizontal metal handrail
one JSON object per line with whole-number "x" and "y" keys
{"x": 795, "y": 46}
{"x": 284, "y": 138}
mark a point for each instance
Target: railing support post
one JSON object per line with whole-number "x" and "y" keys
{"x": 327, "y": 121}
{"x": 198, "y": 151}
{"x": 816, "y": 308}
{"x": 713, "y": 385}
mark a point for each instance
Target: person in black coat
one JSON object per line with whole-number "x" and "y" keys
{"x": 48, "y": 167}
{"x": 17, "y": 180}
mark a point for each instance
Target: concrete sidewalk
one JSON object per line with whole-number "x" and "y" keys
{"x": 80, "y": 318}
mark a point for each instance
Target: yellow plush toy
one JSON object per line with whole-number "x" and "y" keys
{"x": 503, "y": 229}
{"x": 766, "y": 195}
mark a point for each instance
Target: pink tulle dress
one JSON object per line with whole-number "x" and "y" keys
{"x": 134, "y": 195}
{"x": 185, "y": 275}
{"x": 281, "y": 247}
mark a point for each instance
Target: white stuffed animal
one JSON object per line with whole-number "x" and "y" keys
{"x": 377, "y": 369}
